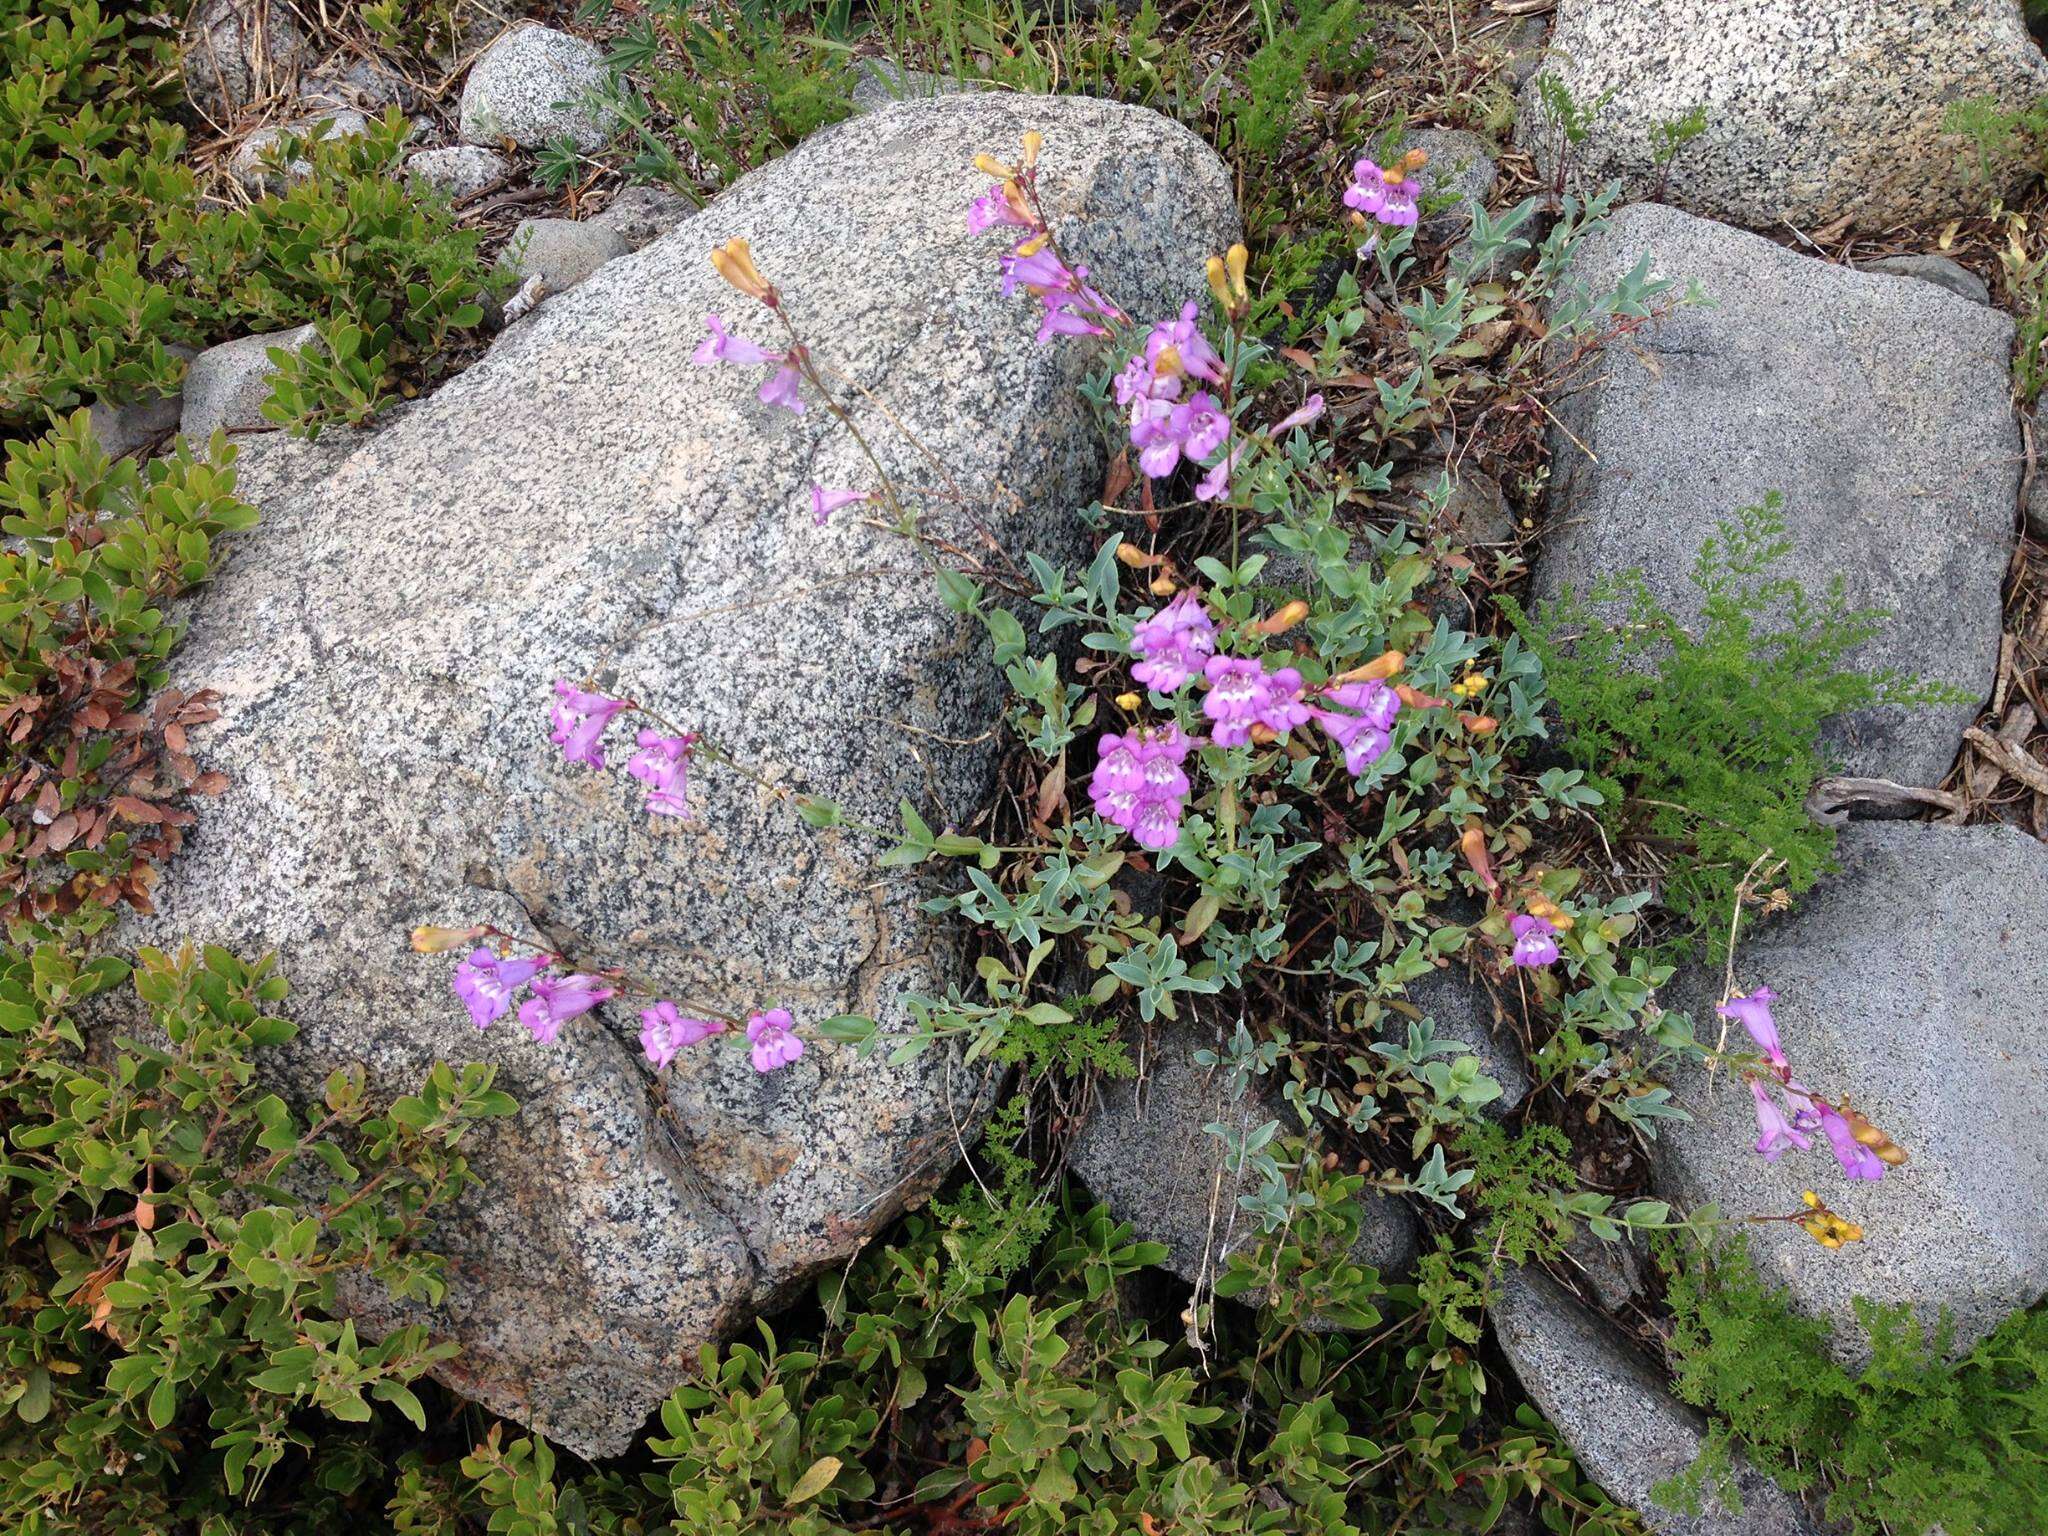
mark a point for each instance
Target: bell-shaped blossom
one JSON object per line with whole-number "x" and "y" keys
{"x": 781, "y": 389}
{"x": 664, "y": 1032}
{"x": 1774, "y": 1132}
{"x": 1072, "y": 307}
{"x": 1753, "y": 1013}
{"x": 1389, "y": 196}
{"x": 1173, "y": 645}
{"x": 577, "y": 722}
{"x": 997, "y": 206}
{"x": 1163, "y": 431}
{"x": 1857, "y": 1160}
{"x": 1176, "y": 348}
{"x": 1215, "y": 485}
{"x": 721, "y": 346}
{"x": 1140, "y": 785}
{"x": 1535, "y": 941}
{"x": 1284, "y": 706}
{"x": 1136, "y": 381}
{"x": 1805, "y": 1113}
{"x": 824, "y": 503}
{"x": 556, "y": 1001}
{"x": 486, "y": 984}
{"x": 773, "y": 1037}
{"x": 663, "y": 764}
{"x": 1362, "y": 722}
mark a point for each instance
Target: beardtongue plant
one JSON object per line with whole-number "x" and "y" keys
{"x": 1282, "y": 736}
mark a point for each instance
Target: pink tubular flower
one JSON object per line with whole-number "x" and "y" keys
{"x": 1178, "y": 347}
{"x": 1310, "y": 409}
{"x": 993, "y": 208}
{"x": 578, "y": 720}
{"x": 1857, "y": 1160}
{"x": 486, "y": 984}
{"x": 662, "y": 764}
{"x": 1072, "y": 307}
{"x": 1394, "y": 202}
{"x": 1283, "y": 707}
{"x": 1237, "y": 692}
{"x": 1173, "y": 644}
{"x": 664, "y": 1032}
{"x": 721, "y": 346}
{"x": 1805, "y": 1116}
{"x": 775, "y": 1042}
{"x": 1362, "y": 723}
{"x": 1774, "y": 1132}
{"x": 1140, "y": 785}
{"x": 1163, "y": 430}
{"x": 1753, "y": 1012}
{"x": 554, "y": 1003}
{"x": 780, "y": 389}
{"x": 824, "y": 503}
{"x": 1215, "y": 485}
{"x": 1535, "y": 941}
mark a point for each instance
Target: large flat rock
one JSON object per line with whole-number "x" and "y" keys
{"x": 1615, "y": 1411}
{"x": 1813, "y": 111}
{"x": 1876, "y": 404}
{"x": 584, "y": 498}
{"x": 1913, "y": 982}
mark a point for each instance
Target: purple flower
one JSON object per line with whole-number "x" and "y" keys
{"x": 1173, "y": 644}
{"x": 1396, "y": 201}
{"x": 578, "y": 720}
{"x": 1040, "y": 271}
{"x": 1163, "y": 430}
{"x": 1216, "y": 483}
{"x": 1362, "y": 723}
{"x": 486, "y": 984}
{"x": 993, "y": 208}
{"x": 662, "y": 764}
{"x": 1137, "y": 382}
{"x": 1177, "y": 347}
{"x": 1065, "y": 316}
{"x": 721, "y": 346}
{"x": 824, "y": 503}
{"x": 664, "y": 1032}
{"x": 1754, "y": 1014}
{"x": 1072, "y": 307}
{"x": 1310, "y": 409}
{"x": 781, "y": 389}
{"x": 1805, "y": 1116}
{"x": 1283, "y": 707}
{"x": 1139, "y": 783}
{"x": 1775, "y": 1132}
{"x": 1237, "y": 692}
{"x": 1857, "y": 1160}
{"x": 1535, "y": 941}
{"x": 554, "y": 1003}
{"x": 775, "y": 1043}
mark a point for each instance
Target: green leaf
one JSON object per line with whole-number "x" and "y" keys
{"x": 816, "y": 1480}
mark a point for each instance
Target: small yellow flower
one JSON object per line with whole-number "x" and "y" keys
{"x": 989, "y": 165}
{"x": 1824, "y": 1226}
{"x": 1034, "y": 141}
{"x": 1128, "y": 702}
{"x": 1540, "y": 905}
{"x": 1470, "y": 686}
{"x": 735, "y": 263}
{"x": 1226, "y": 280}
{"x": 427, "y": 939}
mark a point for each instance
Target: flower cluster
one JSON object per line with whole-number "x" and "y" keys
{"x": 577, "y": 723}
{"x": 1864, "y": 1151}
{"x": 1389, "y": 195}
{"x": 721, "y": 346}
{"x": 1072, "y": 307}
{"x": 1139, "y": 783}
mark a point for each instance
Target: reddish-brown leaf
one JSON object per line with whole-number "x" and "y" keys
{"x": 211, "y": 782}
{"x": 63, "y": 832}
{"x": 137, "y": 810}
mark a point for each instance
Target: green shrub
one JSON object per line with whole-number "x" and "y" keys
{"x": 1911, "y": 1440}
{"x": 1708, "y": 742}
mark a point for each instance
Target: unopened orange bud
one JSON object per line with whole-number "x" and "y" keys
{"x": 1540, "y": 905}
{"x": 1472, "y": 844}
{"x": 1034, "y": 245}
{"x": 1415, "y": 698}
{"x": 989, "y": 165}
{"x": 1478, "y": 725}
{"x": 1378, "y": 670}
{"x": 735, "y": 263}
{"x": 1136, "y": 558}
{"x": 1162, "y": 585}
{"x": 1414, "y": 161}
{"x": 1887, "y": 1150}
{"x": 1282, "y": 621}
{"x": 1034, "y": 141}
{"x": 430, "y": 940}
{"x": 1264, "y": 735}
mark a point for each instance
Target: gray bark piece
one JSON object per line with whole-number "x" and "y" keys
{"x": 1876, "y": 404}
{"x": 1813, "y": 111}
{"x": 1913, "y": 983}
{"x": 1614, "y": 1410}
{"x": 385, "y": 645}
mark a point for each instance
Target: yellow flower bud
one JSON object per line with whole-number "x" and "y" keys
{"x": 1283, "y": 620}
{"x": 1128, "y": 702}
{"x": 428, "y": 939}
{"x": 1033, "y": 246}
{"x": 989, "y": 165}
{"x": 735, "y": 263}
{"x": 1034, "y": 141}
{"x": 1379, "y": 669}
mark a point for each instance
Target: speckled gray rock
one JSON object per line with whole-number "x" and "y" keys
{"x": 560, "y": 252}
{"x": 121, "y": 429}
{"x": 252, "y": 162}
{"x": 1813, "y": 111}
{"x": 458, "y": 170}
{"x": 582, "y": 498}
{"x": 1876, "y": 404}
{"x": 642, "y": 214}
{"x": 534, "y": 85}
{"x": 1614, "y": 1410}
{"x": 1462, "y": 1010}
{"x": 1939, "y": 270}
{"x": 1145, "y": 1153}
{"x": 234, "y": 52}
{"x": 349, "y": 80}
{"x": 881, "y": 82}
{"x": 225, "y": 386}
{"x": 1913, "y": 983}
{"x": 1460, "y": 166}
